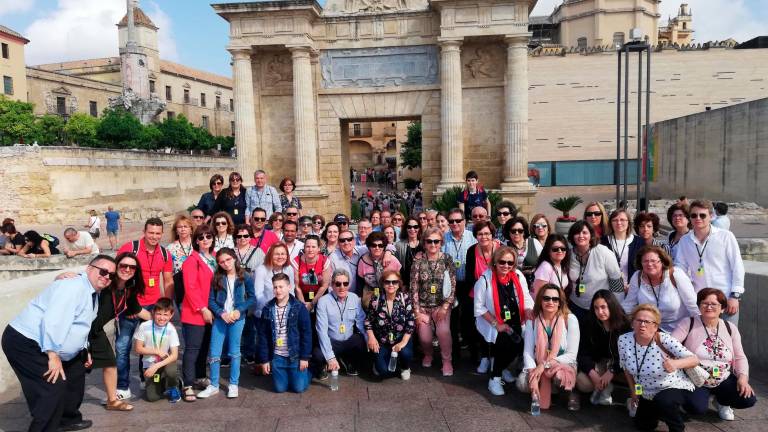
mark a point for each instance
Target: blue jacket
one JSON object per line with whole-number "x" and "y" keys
{"x": 299, "y": 331}
{"x": 244, "y": 296}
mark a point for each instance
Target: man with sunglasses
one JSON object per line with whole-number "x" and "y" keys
{"x": 347, "y": 256}
{"x": 456, "y": 243}
{"x": 262, "y": 237}
{"x": 712, "y": 258}
{"x": 261, "y": 195}
{"x": 292, "y": 214}
{"x": 46, "y": 345}
{"x": 198, "y": 218}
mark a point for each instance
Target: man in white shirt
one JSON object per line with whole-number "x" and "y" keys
{"x": 290, "y": 231}
{"x": 721, "y": 216}
{"x": 712, "y": 258}
{"x": 78, "y": 243}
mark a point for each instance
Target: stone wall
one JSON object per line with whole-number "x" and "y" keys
{"x": 44, "y": 185}
{"x": 15, "y": 267}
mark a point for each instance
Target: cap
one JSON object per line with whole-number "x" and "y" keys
{"x": 341, "y": 218}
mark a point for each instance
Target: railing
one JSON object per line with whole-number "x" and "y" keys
{"x": 360, "y": 132}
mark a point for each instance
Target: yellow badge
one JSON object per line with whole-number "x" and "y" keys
{"x": 716, "y": 372}
{"x": 342, "y": 328}
{"x": 391, "y": 337}
{"x": 311, "y": 295}
{"x": 151, "y": 282}
{"x": 375, "y": 292}
{"x": 279, "y": 342}
{"x": 582, "y": 288}
{"x": 433, "y": 289}
{"x": 638, "y": 389}
{"x": 507, "y": 315}
{"x": 700, "y": 271}
{"x": 156, "y": 378}
{"x": 457, "y": 263}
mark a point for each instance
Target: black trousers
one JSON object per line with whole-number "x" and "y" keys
{"x": 51, "y": 405}
{"x": 504, "y": 351}
{"x": 665, "y": 406}
{"x": 351, "y": 351}
{"x": 466, "y": 322}
{"x": 197, "y": 340}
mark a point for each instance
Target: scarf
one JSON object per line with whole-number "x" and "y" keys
{"x": 566, "y": 374}
{"x": 518, "y": 292}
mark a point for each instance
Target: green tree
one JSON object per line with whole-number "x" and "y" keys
{"x": 410, "y": 152}
{"x": 81, "y": 130}
{"x": 118, "y": 129}
{"x": 150, "y": 138}
{"x": 17, "y": 122}
{"x": 49, "y": 130}
{"x": 177, "y": 133}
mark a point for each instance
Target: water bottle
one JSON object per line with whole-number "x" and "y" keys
{"x": 334, "y": 380}
{"x": 393, "y": 362}
{"x": 535, "y": 406}
{"x": 632, "y": 406}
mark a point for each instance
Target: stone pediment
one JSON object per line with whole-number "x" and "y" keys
{"x": 61, "y": 91}
{"x": 365, "y": 7}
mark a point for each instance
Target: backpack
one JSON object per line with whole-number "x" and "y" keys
{"x": 135, "y": 249}
{"x": 53, "y": 241}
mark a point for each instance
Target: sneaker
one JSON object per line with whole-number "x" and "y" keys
{"x": 594, "y": 398}
{"x": 202, "y": 383}
{"x": 323, "y": 375}
{"x": 725, "y": 412}
{"x": 495, "y": 386}
{"x": 208, "y": 392}
{"x": 174, "y": 395}
{"x": 351, "y": 371}
{"x": 574, "y": 401}
{"x": 508, "y": 376}
{"x": 485, "y": 365}
{"x": 250, "y": 360}
{"x": 232, "y": 391}
{"x": 426, "y": 362}
{"x": 405, "y": 374}
{"x": 605, "y": 398}
{"x": 447, "y": 369}
{"x": 124, "y": 394}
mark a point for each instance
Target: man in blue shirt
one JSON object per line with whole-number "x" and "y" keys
{"x": 114, "y": 226}
{"x": 46, "y": 347}
{"x": 455, "y": 245}
{"x": 473, "y": 196}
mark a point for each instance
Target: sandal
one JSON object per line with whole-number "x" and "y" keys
{"x": 118, "y": 405}
{"x": 189, "y": 394}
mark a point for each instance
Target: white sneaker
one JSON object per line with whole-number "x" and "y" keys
{"x": 208, "y": 392}
{"x": 495, "y": 386}
{"x": 232, "y": 391}
{"x": 124, "y": 394}
{"x": 605, "y": 397}
{"x": 405, "y": 374}
{"x": 485, "y": 365}
{"x": 725, "y": 412}
{"x": 508, "y": 376}
{"x": 594, "y": 399}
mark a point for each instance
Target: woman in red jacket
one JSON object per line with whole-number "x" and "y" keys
{"x": 196, "y": 318}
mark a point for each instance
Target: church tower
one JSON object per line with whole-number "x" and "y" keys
{"x": 139, "y": 56}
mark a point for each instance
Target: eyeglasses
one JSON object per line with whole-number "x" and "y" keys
{"x": 698, "y": 216}
{"x": 642, "y": 322}
{"x": 506, "y": 263}
{"x": 202, "y": 237}
{"x": 483, "y": 234}
{"x": 391, "y": 282}
{"x": 398, "y": 219}
{"x": 221, "y": 223}
{"x": 243, "y": 236}
{"x": 558, "y": 249}
{"x": 346, "y": 239}
{"x": 711, "y": 305}
{"x": 455, "y": 221}
{"x": 236, "y": 179}
{"x": 278, "y": 220}
{"x": 377, "y": 245}
{"x": 678, "y": 216}
{"x": 341, "y": 284}
{"x": 651, "y": 261}
{"x": 432, "y": 241}
{"x": 422, "y": 218}
{"x": 317, "y": 222}
{"x": 539, "y": 226}
{"x": 478, "y": 216}
{"x": 104, "y": 272}
{"x": 593, "y": 214}
{"x": 516, "y": 231}
{"x": 291, "y": 214}
{"x": 413, "y": 227}
{"x": 198, "y": 217}
{"x": 258, "y": 219}
{"x": 306, "y": 224}
{"x": 545, "y": 299}
{"x": 129, "y": 267}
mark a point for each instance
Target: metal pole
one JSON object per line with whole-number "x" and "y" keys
{"x": 639, "y": 125}
{"x": 626, "y": 117}
{"x": 647, "y": 120}
{"x": 617, "y": 170}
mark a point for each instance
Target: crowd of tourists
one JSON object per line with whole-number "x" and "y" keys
{"x": 295, "y": 297}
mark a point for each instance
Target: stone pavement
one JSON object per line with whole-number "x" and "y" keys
{"x": 428, "y": 402}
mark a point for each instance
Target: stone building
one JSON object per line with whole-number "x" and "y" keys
{"x": 12, "y": 64}
{"x": 678, "y": 30}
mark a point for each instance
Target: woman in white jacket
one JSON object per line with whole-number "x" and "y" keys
{"x": 502, "y": 306}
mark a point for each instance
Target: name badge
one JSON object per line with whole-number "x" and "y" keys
{"x": 280, "y": 342}
{"x": 507, "y": 315}
{"x": 156, "y": 378}
{"x": 391, "y": 337}
{"x": 638, "y": 389}
{"x": 582, "y": 288}
{"x": 375, "y": 292}
{"x": 700, "y": 271}
{"x": 716, "y": 372}
{"x": 235, "y": 212}
{"x": 342, "y": 328}
{"x": 311, "y": 295}
{"x": 457, "y": 263}
{"x": 433, "y": 289}
{"x": 151, "y": 282}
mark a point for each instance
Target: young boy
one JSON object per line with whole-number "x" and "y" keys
{"x": 473, "y": 196}
{"x": 287, "y": 334}
{"x": 158, "y": 342}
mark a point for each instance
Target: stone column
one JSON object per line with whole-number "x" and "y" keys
{"x": 452, "y": 132}
{"x": 515, "y": 174}
{"x": 245, "y": 116}
{"x": 305, "y": 123}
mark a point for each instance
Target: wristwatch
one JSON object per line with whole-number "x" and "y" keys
{"x": 547, "y": 364}
{"x": 736, "y": 295}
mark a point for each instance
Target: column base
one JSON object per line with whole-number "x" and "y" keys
{"x": 445, "y": 185}
{"x": 313, "y": 200}
{"x": 522, "y": 195}
{"x": 310, "y": 191}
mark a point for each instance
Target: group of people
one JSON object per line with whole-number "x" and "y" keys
{"x": 298, "y": 298}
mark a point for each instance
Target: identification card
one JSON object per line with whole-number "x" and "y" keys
{"x": 700, "y": 271}
{"x": 433, "y": 289}
{"x": 311, "y": 295}
{"x": 235, "y": 212}
{"x": 342, "y": 328}
{"x": 582, "y": 288}
{"x": 457, "y": 263}
{"x": 638, "y": 389}
{"x": 507, "y": 315}
{"x": 716, "y": 372}
{"x": 375, "y": 292}
{"x": 391, "y": 337}
{"x": 156, "y": 378}
{"x": 151, "y": 282}
{"x": 279, "y": 342}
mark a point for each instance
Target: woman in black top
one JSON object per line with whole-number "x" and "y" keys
{"x": 39, "y": 245}
{"x": 232, "y": 199}
{"x": 208, "y": 199}
{"x": 598, "y": 358}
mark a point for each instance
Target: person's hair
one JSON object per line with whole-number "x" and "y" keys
{"x": 100, "y": 257}
{"x": 508, "y": 204}
{"x": 428, "y": 232}
{"x": 321, "y": 218}
{"x": 179, "y": 220}
{"x": 675, "y": 207}
{"x": 273, "y": 217}
{"x": 644, "y": 217}
{"x": 228, "y": 191}
{"x": 258, "y": 209}
{"x": 535, "y": 218}
{"x": 404, "y": 229}
{"x": 363, "y": 219}
{"x": 577, "y": 227}
{"x": 603, "y": 219}
{"x": 8, "y": 221}
{"x": 136, "y": 284}
{"x": 666, "y": 260}
{"x": 340, "y": 272}
{"x": 455, "y": 210}
{"x": 471, "y": 175}
{"x": 154, "y": 221}
{"x": 562, "y": 307}
{"x": 702, "y": 204}
{"x": 287, "y": 222}
{"x": 259, "y": 171}
{"x": 305, "y": 220}
{"x": 546, "y": 252}
{"x": 646, "y": 307}
{"x": 374, "y": 237}
{"x": 9, "y": 228}
{"x": 477, "y": 226}
{"x": 34, "y": 237}
{"x": 163, "y": 304}
{"x": 616, "y": 213}
{"x": 324, "y": 235}
{"x": 213, "y": 179}
{"x": 202, "y": 229}
{"x": 706, "y": 292}
{"x": 225, "y": 215}
{"x": 387, "y": 273}
{"x": 243, "y": 227}
{"x": 286, "y": 180}
{"x": 269, "y": 258}
{"x": 375, "y": 212}
{"x": 617, "y": 319}
{"x": 69, "y": 230}
{"x": 512, "y": 222}
{"x": 280, "y": 277}
{"x": 721, "y": 208}
{"x": 312, "y": 237}
{"x": 221, "y": 273}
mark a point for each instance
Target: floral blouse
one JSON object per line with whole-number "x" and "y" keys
{"x": 293, "y": 202}
{"x": 428, "y": 279}
{"x": 218, "y": 243}
{"x": 389, "y": 327}
{"x": 179, "y": 253}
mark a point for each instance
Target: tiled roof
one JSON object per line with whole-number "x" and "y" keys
{"x": 6, "y": 30}
{"x": 139, "y": 18}
{"x": 186, "y": 71}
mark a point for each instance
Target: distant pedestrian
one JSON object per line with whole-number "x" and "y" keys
{"x": 114, "y": 226}
{"x": 94, "y": 224}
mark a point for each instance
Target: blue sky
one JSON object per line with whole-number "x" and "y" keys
{"x": 192, "y": 34}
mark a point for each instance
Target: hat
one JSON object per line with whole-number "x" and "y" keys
{"x": 340, "y": 218}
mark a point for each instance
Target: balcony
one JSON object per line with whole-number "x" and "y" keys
{"x": 191, "y": 101}
{"x": 361, "y": 132}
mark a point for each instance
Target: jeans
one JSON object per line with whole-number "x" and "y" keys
{"x": 123, "y": 345}
{"x": 350, "y": 351}
{"x": 726, "y": 394}
{"x": 287, "y": 376}
{"x": 196, "y": 341}
{"x": 250, "y": 332}
{"x": 381, "y": 360}
{"x": 504, "y": 351}
{"x": 232, "y": 333}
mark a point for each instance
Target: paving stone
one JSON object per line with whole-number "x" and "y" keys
{"x": 334, "y": 422}
{"x": 411, "y": 420}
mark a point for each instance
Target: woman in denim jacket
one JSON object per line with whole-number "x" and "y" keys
{"x": 286, "y": 332}
{"x": 230, "y": 297}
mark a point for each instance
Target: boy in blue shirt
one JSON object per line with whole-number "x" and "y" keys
{"x": 158, "y": 341}
{"x": 473, "y": 196}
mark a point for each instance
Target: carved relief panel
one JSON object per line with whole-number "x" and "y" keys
{"x": 483, "y": 63}
{"x": 378, "y": 67}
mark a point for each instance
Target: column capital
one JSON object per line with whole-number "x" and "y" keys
{"x": 449, "y": 44}
{"x": 298, "y": 51}
{"x": 518, "y": 40}
{"x": 241, "y": 53}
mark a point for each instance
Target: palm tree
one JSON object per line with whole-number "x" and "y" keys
{"x": 565, "y": 205}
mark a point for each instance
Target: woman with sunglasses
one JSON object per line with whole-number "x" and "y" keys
{"x": 654, "y": 363}
{"x": 318, "y": 224}
{"x": 551, "y": 346}
{"x": 433, "y": 287}
{"x": 180, "y": 249}
{"x": 196, "y": 317}
{"x": 232, "y": 200}
{"x": 595, "y": 214}
{"x": 622, "y": 242}
{"x": 275, "y": 224}
{"x": 598, "y": 359}
{"x": 552, "y": 266}
{"x": 505, "y": 211}
{"x": 287, "y": 199}
{"x": 517, "y": 234}
{"x": 224, "y": 227}
{"x": 677, "y": 216}
{"x": 208, "y": 199}
{"x": 313, "y": 273}
{"x": 372, "y": 265}
{"x": 501, "y": 306}
{"x": 540, "y": 230}
{"x": 408, "y": 247}
{"x": 390, "y": 324}
{"x": 330, "y": 238}
{"x": 248, "y": 256}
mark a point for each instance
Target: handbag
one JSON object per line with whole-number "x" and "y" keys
{"x": 697, "y": 374}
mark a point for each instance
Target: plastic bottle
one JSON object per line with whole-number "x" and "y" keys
{"x": 392, "y": 362}
{"x": 535, "y": 406}
{"x": 334, "y": 382}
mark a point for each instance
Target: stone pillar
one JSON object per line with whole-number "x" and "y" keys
{"x": 245, "y": 116}
{"x": 451, "y": 115}
{"x": 305, "y": 122}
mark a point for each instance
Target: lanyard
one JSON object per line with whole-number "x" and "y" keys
{"x": 700, "y": 252}
{"x": 119, "y": 307}
{"x": 558, "y": 275}
{"x": 615, "y": 245}
{"x": 261, "y": 238}
{"x": 386, "y": 306}
{"x": 582, "y": 269}
{"x": 184, "y": 250}
{"x": 482, "y": 255}
{"x": 342, "y": 308}
{"x": 221, "y": 244}
{"x": 639, "y": 365}
{"x": 432, "y": 269}
{"x": 230, "y": 289}
{"x": 162, "y": 335}
{"x": 280, "y": 318}
{"x": 653, "y": 289}
{"x": 457, "y": 246}
{"x": 150, "y": 259}
{"x": 715, "y": 350}
{"x": 244, "y": 258}
{"x": 551, "y": 333}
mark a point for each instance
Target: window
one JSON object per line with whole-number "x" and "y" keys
{"x": 7, "y": 85}
{"x": 186, "y": 96}
{"x": 205, "y": 122}
{"x": 202, "y": 100}
{"x": 685, "y": 26}
{"x": 232, "y": 126}
{"x": 61, "y": 105}
{"x": 170, "y": 115}
{"x": 168, "y": 93}
{"x": 582, "y": 43}
{"x": 94, "y": 108}
{"x": 151, "y": 86}
{"x": 231, "y": 105}
{"x": 356, "y": 129}
{"x": 218, "y": 102}
{"x": 5, "y": 51}
{"x": 618, "y": 39}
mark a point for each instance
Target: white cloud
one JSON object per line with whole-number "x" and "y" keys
{"x": 165, "y": 40}
{"x": 8, "y": 7}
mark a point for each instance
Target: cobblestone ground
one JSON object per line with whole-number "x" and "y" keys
{"x": 428, "y": 402}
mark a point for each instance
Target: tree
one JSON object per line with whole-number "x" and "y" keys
{"x": 118, "y": 129}
{"x": 81, "y": 130}
{"x": 48, "y": 130}
{"x": 17, "y": 121}
{"x": 410, "y": 152}
{"x": 177, "y": 133}
{"x": 150, "y": 138}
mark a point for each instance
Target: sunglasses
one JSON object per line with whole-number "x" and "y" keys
{"x": 545, "y": 299}
{"x": 243, "y": 236}
{"x": 198, "y": 217}
{"x": 202, "y": 237}
{"x": 317, "y": 222}
{"x": 291, "y": 214}
{"x": 516, "y": 231}
{"x": 413, "y": 227}
{"x": 398, "y": 219}
{"x": 503, "y": 213}
{"x": 306, "y": 225}
{"x": 455, "y": 221}
{"x": 218, "y": 182}
{"x": 698, "y": 215}
{"x": 377, "y": 246}
{"x": 422, "y": 218}
{"x": 341, "y": 284}
{"x": 558, "y": 249}
{"x": 506, "y": 263}
{"x": 258, "y": 219}
{"x": 104, "y": 272}
{"x": 391, "y": 282}
{"x": 222, "y": 223}
{"x": 346, "y": 239}
{"x": 235, "y": 179}
{"x": 539, "y": 226}
{"x": 279, "y": 220}
{"x": 432, "y": 241}
{"x": 593, "y": 214}
{"x": 130, "y": 267}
